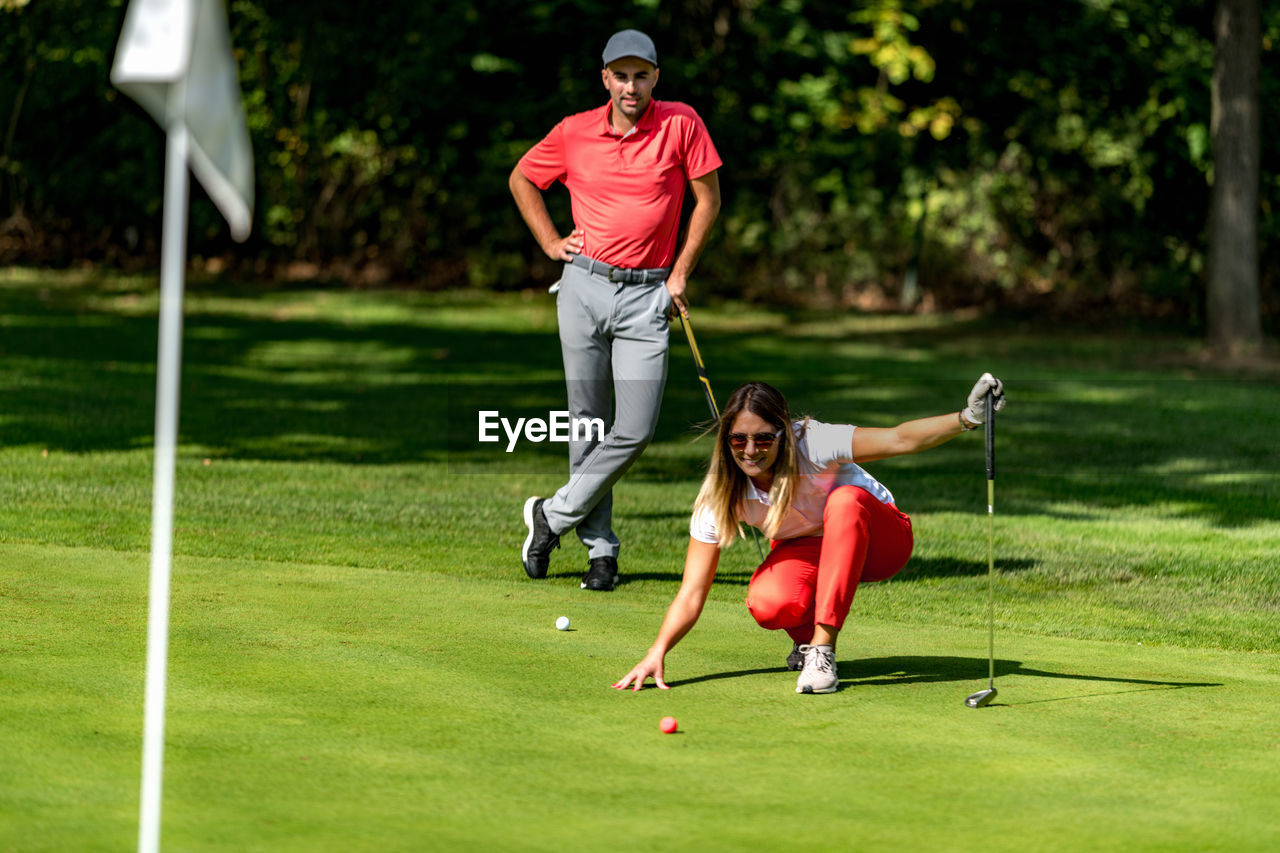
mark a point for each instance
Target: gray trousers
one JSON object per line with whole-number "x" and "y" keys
{"x": 613, "y": 338}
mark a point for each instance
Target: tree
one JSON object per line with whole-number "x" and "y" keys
{"x": 1234, "y": 312}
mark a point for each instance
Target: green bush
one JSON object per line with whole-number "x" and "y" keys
{"x": 992, "y": 151}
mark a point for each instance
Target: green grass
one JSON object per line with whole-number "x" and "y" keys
{"x": 358, "y": 663}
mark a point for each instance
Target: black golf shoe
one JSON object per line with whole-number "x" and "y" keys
{"x": 540, "y": 542}
{"x": 602, "y": 576}
{"x": 795, "y": 660}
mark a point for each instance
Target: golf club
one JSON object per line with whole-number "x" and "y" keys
{"x": 711, "y": 400}
{"x": 984, "y": 697}
{"x": 701, "y": 368}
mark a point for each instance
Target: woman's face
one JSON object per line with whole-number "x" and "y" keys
{"x": 752, "y": 456}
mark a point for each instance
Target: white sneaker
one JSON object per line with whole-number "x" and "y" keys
{"x": 819, "y": 672}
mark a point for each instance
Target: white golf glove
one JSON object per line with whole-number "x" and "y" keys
{"x": 976, "y": 411}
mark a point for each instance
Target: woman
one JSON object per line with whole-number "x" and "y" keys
{"x": 832, "y": 524}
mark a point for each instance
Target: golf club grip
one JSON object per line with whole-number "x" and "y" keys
{"x": 991, "y": 435}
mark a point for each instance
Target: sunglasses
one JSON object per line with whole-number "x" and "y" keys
{"x": 763, "y": 440}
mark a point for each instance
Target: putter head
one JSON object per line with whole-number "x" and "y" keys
{"x": 981, "y": 698}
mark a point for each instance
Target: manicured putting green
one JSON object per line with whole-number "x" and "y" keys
{"x": 327, "y": 707}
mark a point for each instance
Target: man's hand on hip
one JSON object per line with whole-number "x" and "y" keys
{"x": 565, "y": 248}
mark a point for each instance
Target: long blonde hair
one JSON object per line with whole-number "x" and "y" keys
{"x": 724, "y": 488}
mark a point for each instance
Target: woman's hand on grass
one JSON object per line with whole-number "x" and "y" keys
{"x": 650, "y": 666}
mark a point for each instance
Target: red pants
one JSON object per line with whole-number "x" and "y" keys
{"x": 811, "y": 580}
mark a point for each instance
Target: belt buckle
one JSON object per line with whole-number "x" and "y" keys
{"x": 620, "y": 275}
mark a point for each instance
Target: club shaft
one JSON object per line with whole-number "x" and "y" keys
{"x": 991, "y": 591}
{"x": 991, "y": 550}
{"x": 711, "y": 399}
{"x": 701, "y": 368}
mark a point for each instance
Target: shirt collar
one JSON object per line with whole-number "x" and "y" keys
{"x": 647, "y": 122}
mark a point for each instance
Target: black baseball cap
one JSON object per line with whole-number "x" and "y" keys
{"x": 630, "y": 43}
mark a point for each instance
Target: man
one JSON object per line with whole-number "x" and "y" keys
{"x": 626, "y": 165}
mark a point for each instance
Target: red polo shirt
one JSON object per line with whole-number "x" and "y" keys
{"x": 626, "y": 191}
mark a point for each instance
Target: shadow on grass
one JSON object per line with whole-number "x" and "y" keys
{"x": 918, "y": 569}
{"x": 915, "y": 669}
{"x": 950, "y": 567}
{"x": 732, "y": 577}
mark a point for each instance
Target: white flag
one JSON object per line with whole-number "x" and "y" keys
{"x": 174, "y": 58}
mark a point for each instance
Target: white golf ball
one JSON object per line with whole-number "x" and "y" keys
{"x": 562, "y": 624}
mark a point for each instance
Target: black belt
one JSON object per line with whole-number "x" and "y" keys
{"x": 620, "y": 274}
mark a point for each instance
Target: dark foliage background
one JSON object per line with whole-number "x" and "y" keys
{"x": 1052, "y": 156}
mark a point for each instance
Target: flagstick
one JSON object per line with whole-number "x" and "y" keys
{"x": 173, "y": 252}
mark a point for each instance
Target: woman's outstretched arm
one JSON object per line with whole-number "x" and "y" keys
{"x": 699, "y": 571}
{"x": 872, "y": 443}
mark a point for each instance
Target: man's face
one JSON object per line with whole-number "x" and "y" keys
{"x": 630, "y": 83}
